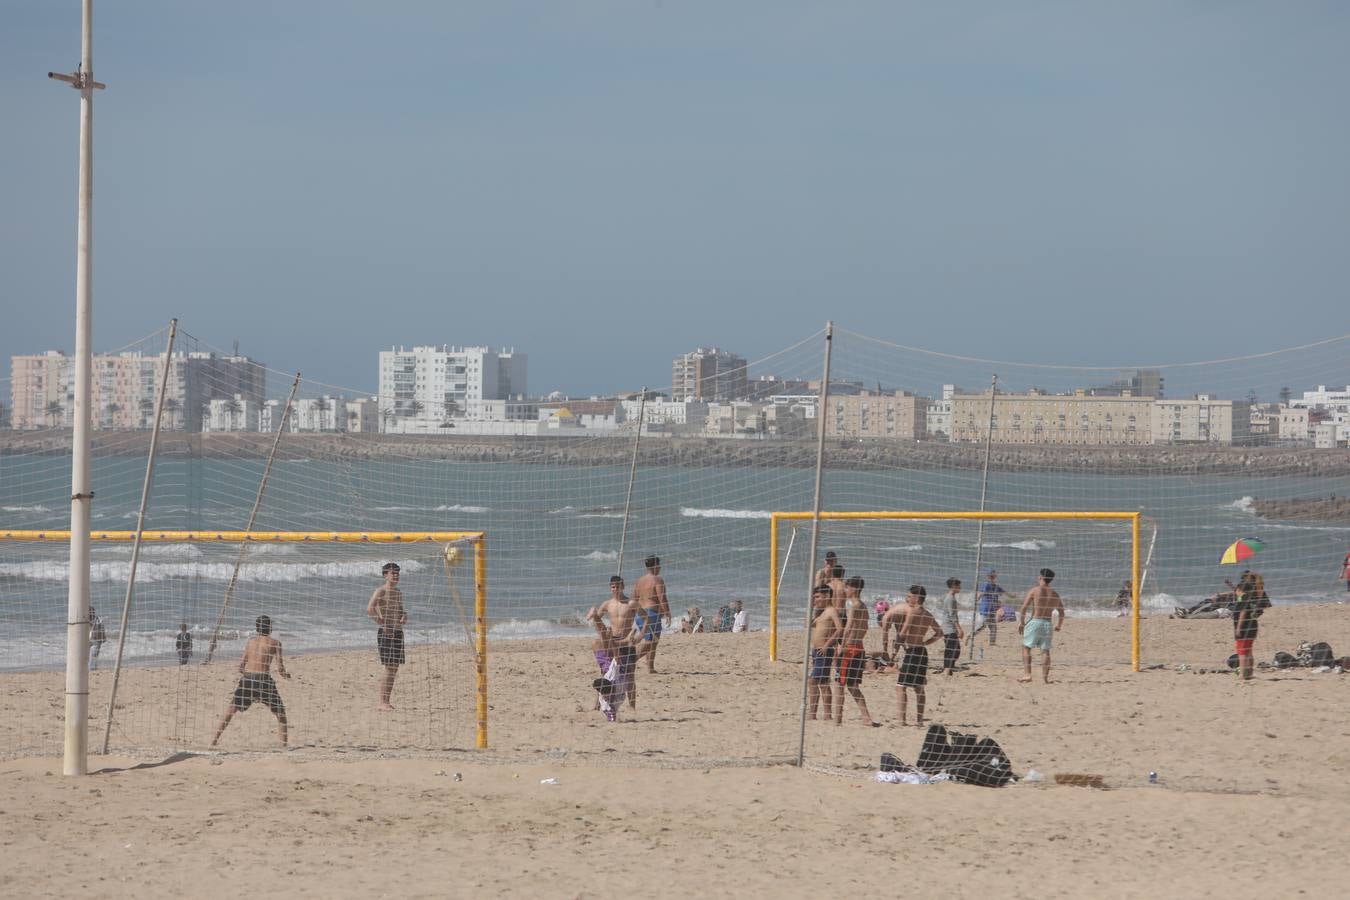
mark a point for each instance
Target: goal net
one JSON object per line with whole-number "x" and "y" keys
{"x": 165, "y": 678}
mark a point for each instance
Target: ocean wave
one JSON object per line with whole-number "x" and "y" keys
{"x": 459, "y": 507}
{"x": 36, "y": 508}
{"x": 273, "y": 572}
{"x": 601, "y": 515}
{"x": 602, "y": 555}
{"x": 1032, "y": 545}
{"x": 692, "y": 511}
{"x": 1243, "y": 504}
{"x": 911, "y": 548}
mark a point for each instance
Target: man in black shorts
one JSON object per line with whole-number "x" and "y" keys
{"x": 386, "y": 611}
{"x": 255, "y": 679}
{"x": 916, "y": 629}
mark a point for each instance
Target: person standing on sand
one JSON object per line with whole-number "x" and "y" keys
{"x": 386, "y": 611}
{"x": 916, "y": 629}
{"x": 1251, "y": 602}
{"x": 615, "y": 659}
{"x": 988, "y": 608}
{"x": 825, "y": 631}
{"x": 952, "y": 633}
{"x": 826, "y": 572}
{"x": 97, "y": 635}
{"x": 183, "y": 644}
{"x": 1043, "y": 602}
{"x": 255, "y": 679}
{"x": 1345, "y": 571}
{"x": 852, "y": 655}
{"x": 653, "y": 610}
{"x": 620, "y": 611}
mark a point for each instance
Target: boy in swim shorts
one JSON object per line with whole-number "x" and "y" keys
{"x": 825, "y": 631}
{"x": 852, "y": 656}
{"x": 917, "y": 628}
{"x": 1042, "y": 602}
{"x": 255, "y": 679}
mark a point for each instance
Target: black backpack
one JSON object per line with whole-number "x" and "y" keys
{"x": 966, "y": 758}
{"x": 1316, "y": 655}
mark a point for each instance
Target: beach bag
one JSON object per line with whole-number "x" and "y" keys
{"x": 966, "y": 758}
{"x": 1315, "y": 655}
{"x": 1285, "y": 660}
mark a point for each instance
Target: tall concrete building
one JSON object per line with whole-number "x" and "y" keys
{"x": 125, "y": 386}
{"x": 709, "y": 374}
{"x": 435, "y": 384}
{"x": 876, "y": 415}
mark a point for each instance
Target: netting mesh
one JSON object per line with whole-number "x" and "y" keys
{"x": 1232, "y": 452}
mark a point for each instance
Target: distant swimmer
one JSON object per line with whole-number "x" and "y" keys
{"x": 255, "y": 679}
{"x": 917, "y": 629}
{"x": 386, "y": 611}
{"x": 653, "y": 610}
{"x": 1042, "y": 602}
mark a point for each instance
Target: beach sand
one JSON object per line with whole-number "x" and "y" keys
{"x": 693, "y": 794}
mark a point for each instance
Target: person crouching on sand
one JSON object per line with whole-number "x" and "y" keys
{"x": 255, "y": 679}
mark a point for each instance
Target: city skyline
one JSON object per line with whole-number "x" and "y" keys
{"x": 1090, "y": 186}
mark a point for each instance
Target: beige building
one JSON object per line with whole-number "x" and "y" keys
{"x": 709, "y": 374}
{"x": 1040, "y": 418}
{"x": 1201, "y": 419}
{"x": 42, "y": 391}
{"x": 875, "y": 415}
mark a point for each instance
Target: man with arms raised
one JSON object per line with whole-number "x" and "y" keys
{"x": 917, "y": 629}
{"x": 852, "y": 656}
{"x": 653, "y": 609}
{"x": 825, "y": 631}
{"x": 386, "y": 611}
{"x": 1043, "y": 601}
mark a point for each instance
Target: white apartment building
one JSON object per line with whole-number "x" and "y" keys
{"x": 664, "y": 415}
{"x": 423, "y": 388}
{"x": 1201, "y": 419}
{"x": 939, "y": 418}
{"x": 231, "y": 414}
{"x": 1324, "y": 399}
{"x": 1293, "y": 425}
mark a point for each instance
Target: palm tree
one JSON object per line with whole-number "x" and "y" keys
{"x": 321, "y": 406}
{"x": 171, "y": 406}
{"x": 353, "y": 417}
{"x": 54, "y": 411}
{"x": 415, "y": 408}
{"x": 388, "y": 417}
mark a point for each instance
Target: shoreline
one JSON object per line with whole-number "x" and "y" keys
{"x": 1160, "y": 459}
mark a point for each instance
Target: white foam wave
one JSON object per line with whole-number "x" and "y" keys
{"x": 1243, "y": 504}
{"x": 1033, "y": 545}
{"x": 602, "y": 555}
{"x": 600, "y": 516}
{"x": 910, "y": 548}
{"x": 725, "y": 513}
{"x": 38, "y": 508}
{"x": 460, "y": 507}
{"x": 275, "y": 572}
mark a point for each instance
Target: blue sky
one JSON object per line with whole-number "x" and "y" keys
{"x": 607, "y": 184}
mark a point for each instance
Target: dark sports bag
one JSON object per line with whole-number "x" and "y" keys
{"x": 966, "y": 758}
{"x": 1285, "y": 660}
{"x": 1315, "y": 655}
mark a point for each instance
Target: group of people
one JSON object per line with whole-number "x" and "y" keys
{"x": 840, "y": 621}
{"x": 627, "y": 630}
{"x": 731, "y": 618}
{"x": 262, "y": 652}
{"x": 98, "y": 636}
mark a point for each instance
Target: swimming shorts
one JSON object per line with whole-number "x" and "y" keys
{"x": 255, "y": 686}
{"x": 822, "y": 662}
{"x": 1244, "y": 646}
{"x": 603, "y": 659}
{"x": 1037, "y": 634}
{"x": 914, "y": 667}
{"x": 390, "y": 644}
{"x": 851, "y": 660}
{"x": 648, "y": 624}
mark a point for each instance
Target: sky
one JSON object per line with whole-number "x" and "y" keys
{"x": 606, "y": 185}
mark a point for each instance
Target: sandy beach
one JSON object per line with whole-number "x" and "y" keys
{"x": 692, "y": 794}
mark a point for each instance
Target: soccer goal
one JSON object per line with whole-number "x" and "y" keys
{"x": 1101, "y": 560}
{"x": 163, "y": 674}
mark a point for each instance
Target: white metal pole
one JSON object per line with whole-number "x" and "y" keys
{"x": 979, "y": 532}
{"x": 815, "y": 534}
{"x": 632, "y": 473}
{"x": 76, "y": 761}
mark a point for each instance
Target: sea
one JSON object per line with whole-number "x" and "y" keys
{"x": 555, "y": 533}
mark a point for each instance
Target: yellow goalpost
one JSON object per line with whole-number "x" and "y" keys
{"x": 1133, "y": 518}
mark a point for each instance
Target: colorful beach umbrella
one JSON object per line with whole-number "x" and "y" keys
{"x": 1240, "y": 550}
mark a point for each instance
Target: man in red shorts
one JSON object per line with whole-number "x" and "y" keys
{"x": 852, "y": 656}
{"x": 1246, "y": 611}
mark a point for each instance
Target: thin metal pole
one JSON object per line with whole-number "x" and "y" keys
{"x": 252, "y": 516}
{"x": 775, "y": 579}
{"x": 815, "y": 532}
{"x": 632, "y": 473}
{"x": 140, "y": 529}
{"x": 76, "y": 755}
{"x": 979, "y": 534}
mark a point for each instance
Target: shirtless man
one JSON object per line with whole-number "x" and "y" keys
{"x": 852, "y": 656}
{"x": 838, "y": 589}
{"x": 616, "y": 660}
{"x": 620, "y": 611}
{"x": 826, "y": 572}
{"x": 255, "y": 679}
{"x": 916, "y": 630}
{"x": 386, "y": 611}
{"x": 1042, "y": 601}
{"x": 825, "y": 631}
{"x": 653, "y": 610}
